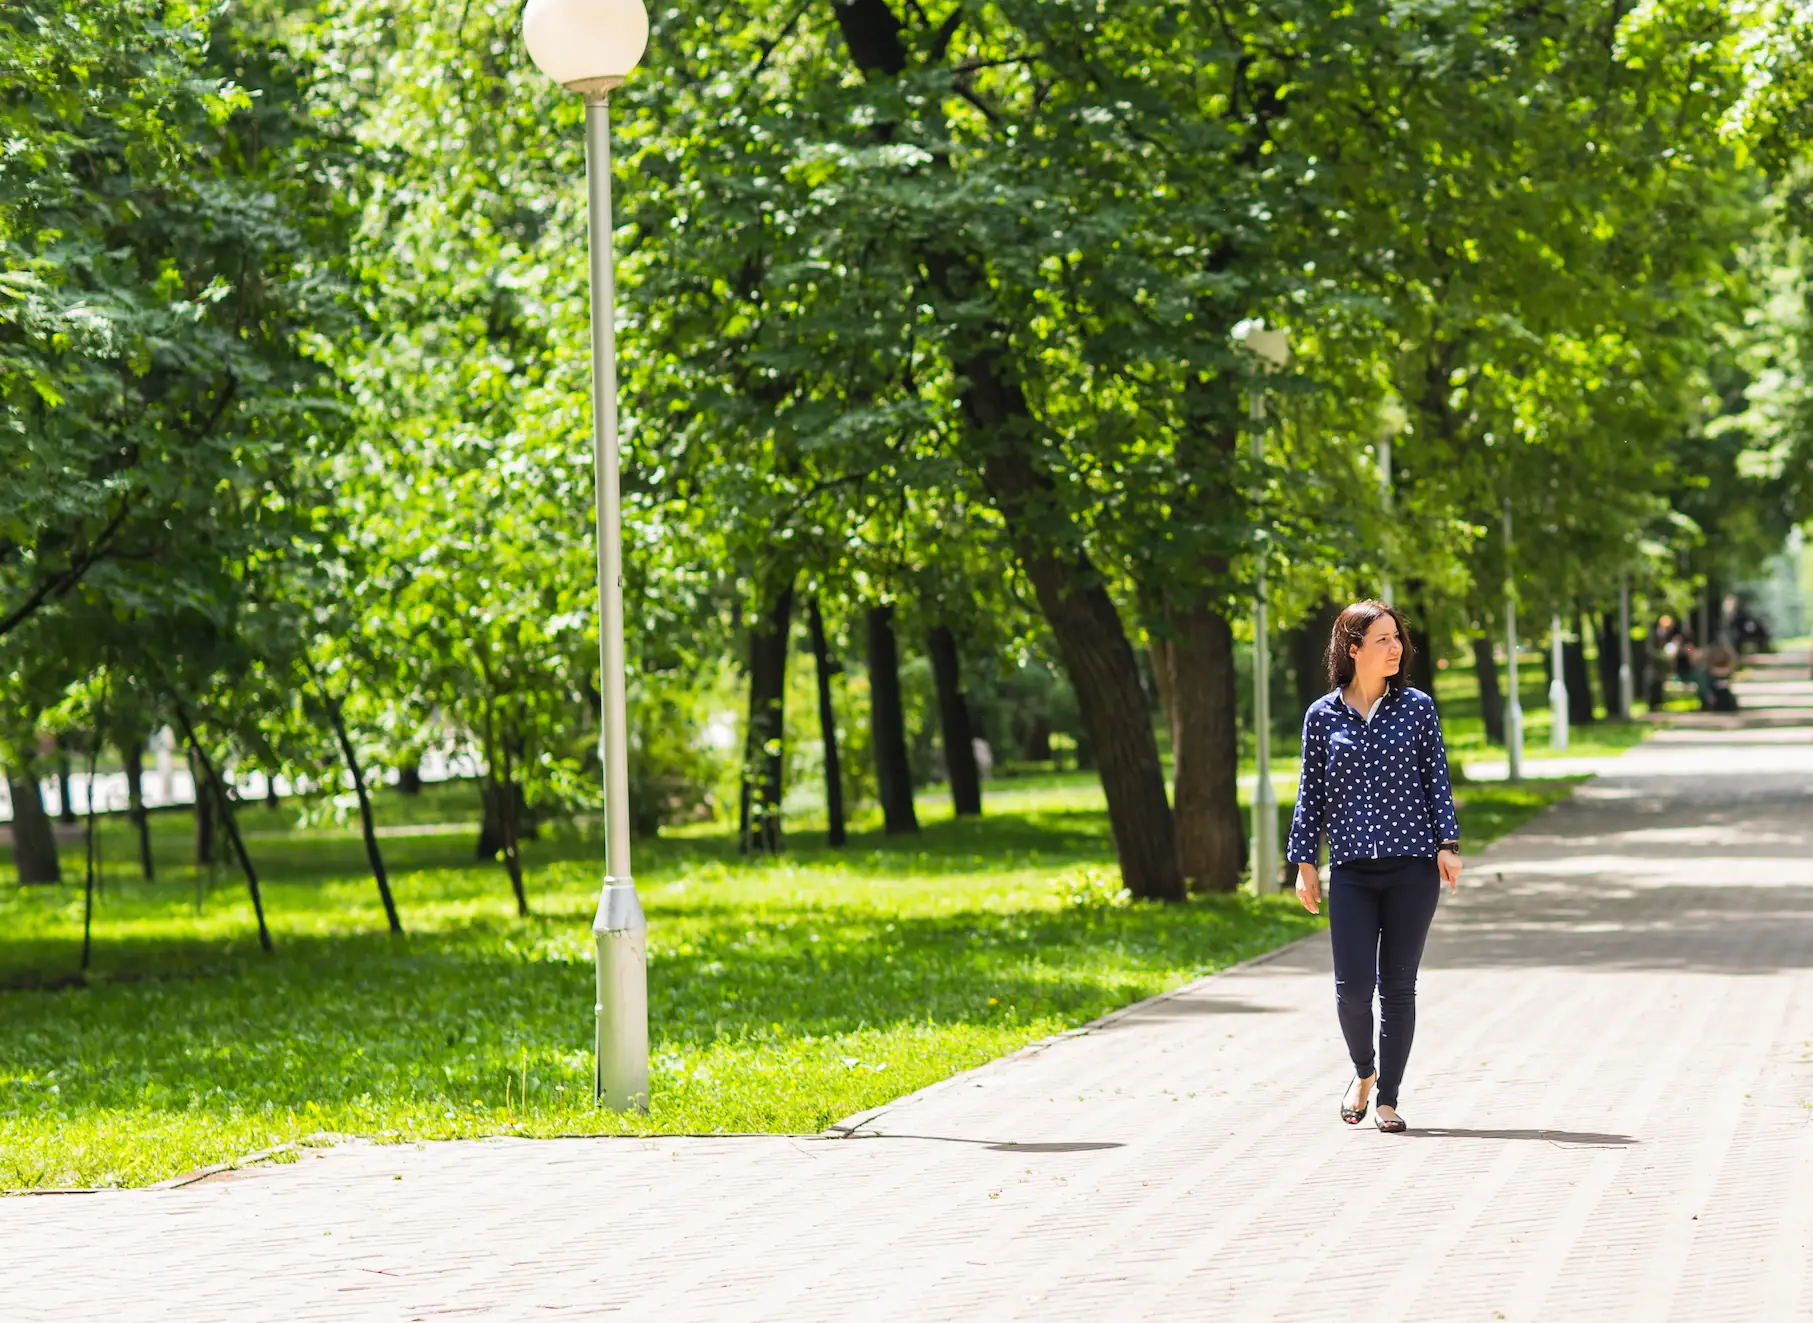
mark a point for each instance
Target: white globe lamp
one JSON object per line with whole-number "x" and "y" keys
{"x": 587, "y": 46}
{"x": 1271, "y": 348}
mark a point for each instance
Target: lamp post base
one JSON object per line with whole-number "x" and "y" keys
{"x": 1265, "y": 837}
{"x": 621, "y": 1079}
{"x": 1514, "y": 734}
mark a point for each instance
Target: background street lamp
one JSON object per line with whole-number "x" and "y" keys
{"x": 1557, "y": 686}
{"x": 1626, "y": 678}
{"x": 1514, "y": 708}
{"x": 1270, "y": 351}
{"x": 590, "y": 47}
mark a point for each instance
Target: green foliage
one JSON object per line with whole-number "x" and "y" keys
{"x": 162, "y": 234}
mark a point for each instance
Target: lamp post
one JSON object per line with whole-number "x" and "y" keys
{"x": 1626, "y": 678}
{"x": 1270, "y": 351}
{"x": 1514, "y": 708}
{"x": 590, "y": 47}
{"x": 1557, "y": 687}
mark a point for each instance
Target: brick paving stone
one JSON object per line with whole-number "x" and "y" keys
{"x": 1611, "y": 1095}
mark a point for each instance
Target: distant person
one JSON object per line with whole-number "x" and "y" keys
{"x": 1677, "y": 647}
{"x": 1375, "y": 784}
{"x": 1716, "y": 694}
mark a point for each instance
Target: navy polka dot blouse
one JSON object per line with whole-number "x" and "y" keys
{"x": 1378, "y": 788}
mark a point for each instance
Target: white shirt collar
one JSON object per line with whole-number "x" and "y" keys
{"x": 1369, "y": 713}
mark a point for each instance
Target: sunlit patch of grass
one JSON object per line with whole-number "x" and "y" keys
{"x": 784, "y": 994}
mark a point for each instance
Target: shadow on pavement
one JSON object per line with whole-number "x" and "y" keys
{"x": 1583, "y": 1139}
{"x": 996, "y": 1146}
{"x": 1711, "y": 875}
{"x": 1184, "y": 1008}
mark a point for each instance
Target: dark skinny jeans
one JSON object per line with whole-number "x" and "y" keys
{"x": 1379, "y": 912}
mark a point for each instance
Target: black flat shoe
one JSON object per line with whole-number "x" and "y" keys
{"x": 1393, "y": 1125}
{"x": 1351, "y": 1115}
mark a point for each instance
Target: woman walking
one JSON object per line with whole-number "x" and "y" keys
{"x": 1375, "y": 783}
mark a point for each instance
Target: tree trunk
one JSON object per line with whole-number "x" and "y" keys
{"x": 493, "y": 802}
{"x": 66, "y": 800}
{"x": 827, "y": 728}
{"x": 1491, "y": 702}
{"x": 205, "y": 829}
{"x": 887, "y": 725}
{"x": 743, "y": 813}
{"x": 1608, "y": 662}
{"x": 217, "y": 791}
{"x": 1100, "y": 663}
{"x": 764, "y": 752}
{"x": 953, "y": 719}
{"x": 271, "y": 800}
{"x": 1211, "y": 844}
{"x": 1163, "y": 652}
{"x": 1422, "y": 660}
{"x": 1578, "y": 678}
{"x": 34, "y": 843}
{"x": 490, "y": 821}
{"x": 504, "y": 825}
{"x": 1102, "y": 670}
{"x": 91, "y": 873}
{"x": 132, "y": 758}
{"x": 367, "y": 823}
{"x": 409, "y": 779}
{"x": 512, "y": 814}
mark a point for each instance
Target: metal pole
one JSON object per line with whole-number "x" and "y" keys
{"x": 621, "y": 1078}
{"x": 1385, "y": 497}
{"x": 1626, "y": 679}
{"x": 1265, "y": 798}
{"x": 1513, "y": 709}
{"x": 1557, "y": 687}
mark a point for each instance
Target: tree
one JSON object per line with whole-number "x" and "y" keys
{"x": 954, "y": 723}
{"x": 763, "y": 747}
{"x": 893, "y": 773}
{"x": 823, "y": 669}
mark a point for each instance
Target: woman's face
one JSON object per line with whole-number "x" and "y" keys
{"x": 1380, "y": 654}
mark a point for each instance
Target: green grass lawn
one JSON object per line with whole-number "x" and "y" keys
{"x": 784, "y": 994}
{"x": 1465, "y": 733}
{"x": 1458, "y": 693}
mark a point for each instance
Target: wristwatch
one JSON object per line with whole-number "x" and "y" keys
{"x": 1451, "y": 845}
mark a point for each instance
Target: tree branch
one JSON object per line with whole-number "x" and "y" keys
{"x": 941, "y": 39}
{"x": 769, "y": 47}
{"x": 58, "y": 584}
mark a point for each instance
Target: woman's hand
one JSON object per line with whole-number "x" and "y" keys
{"x": 1309, "y": 888}
{"x": 1449, "y": 864}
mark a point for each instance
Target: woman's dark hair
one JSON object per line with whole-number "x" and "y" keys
{"x": 1351, "y": 628}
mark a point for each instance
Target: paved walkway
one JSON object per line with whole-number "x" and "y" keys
{"x": 1611, "y": 1099}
